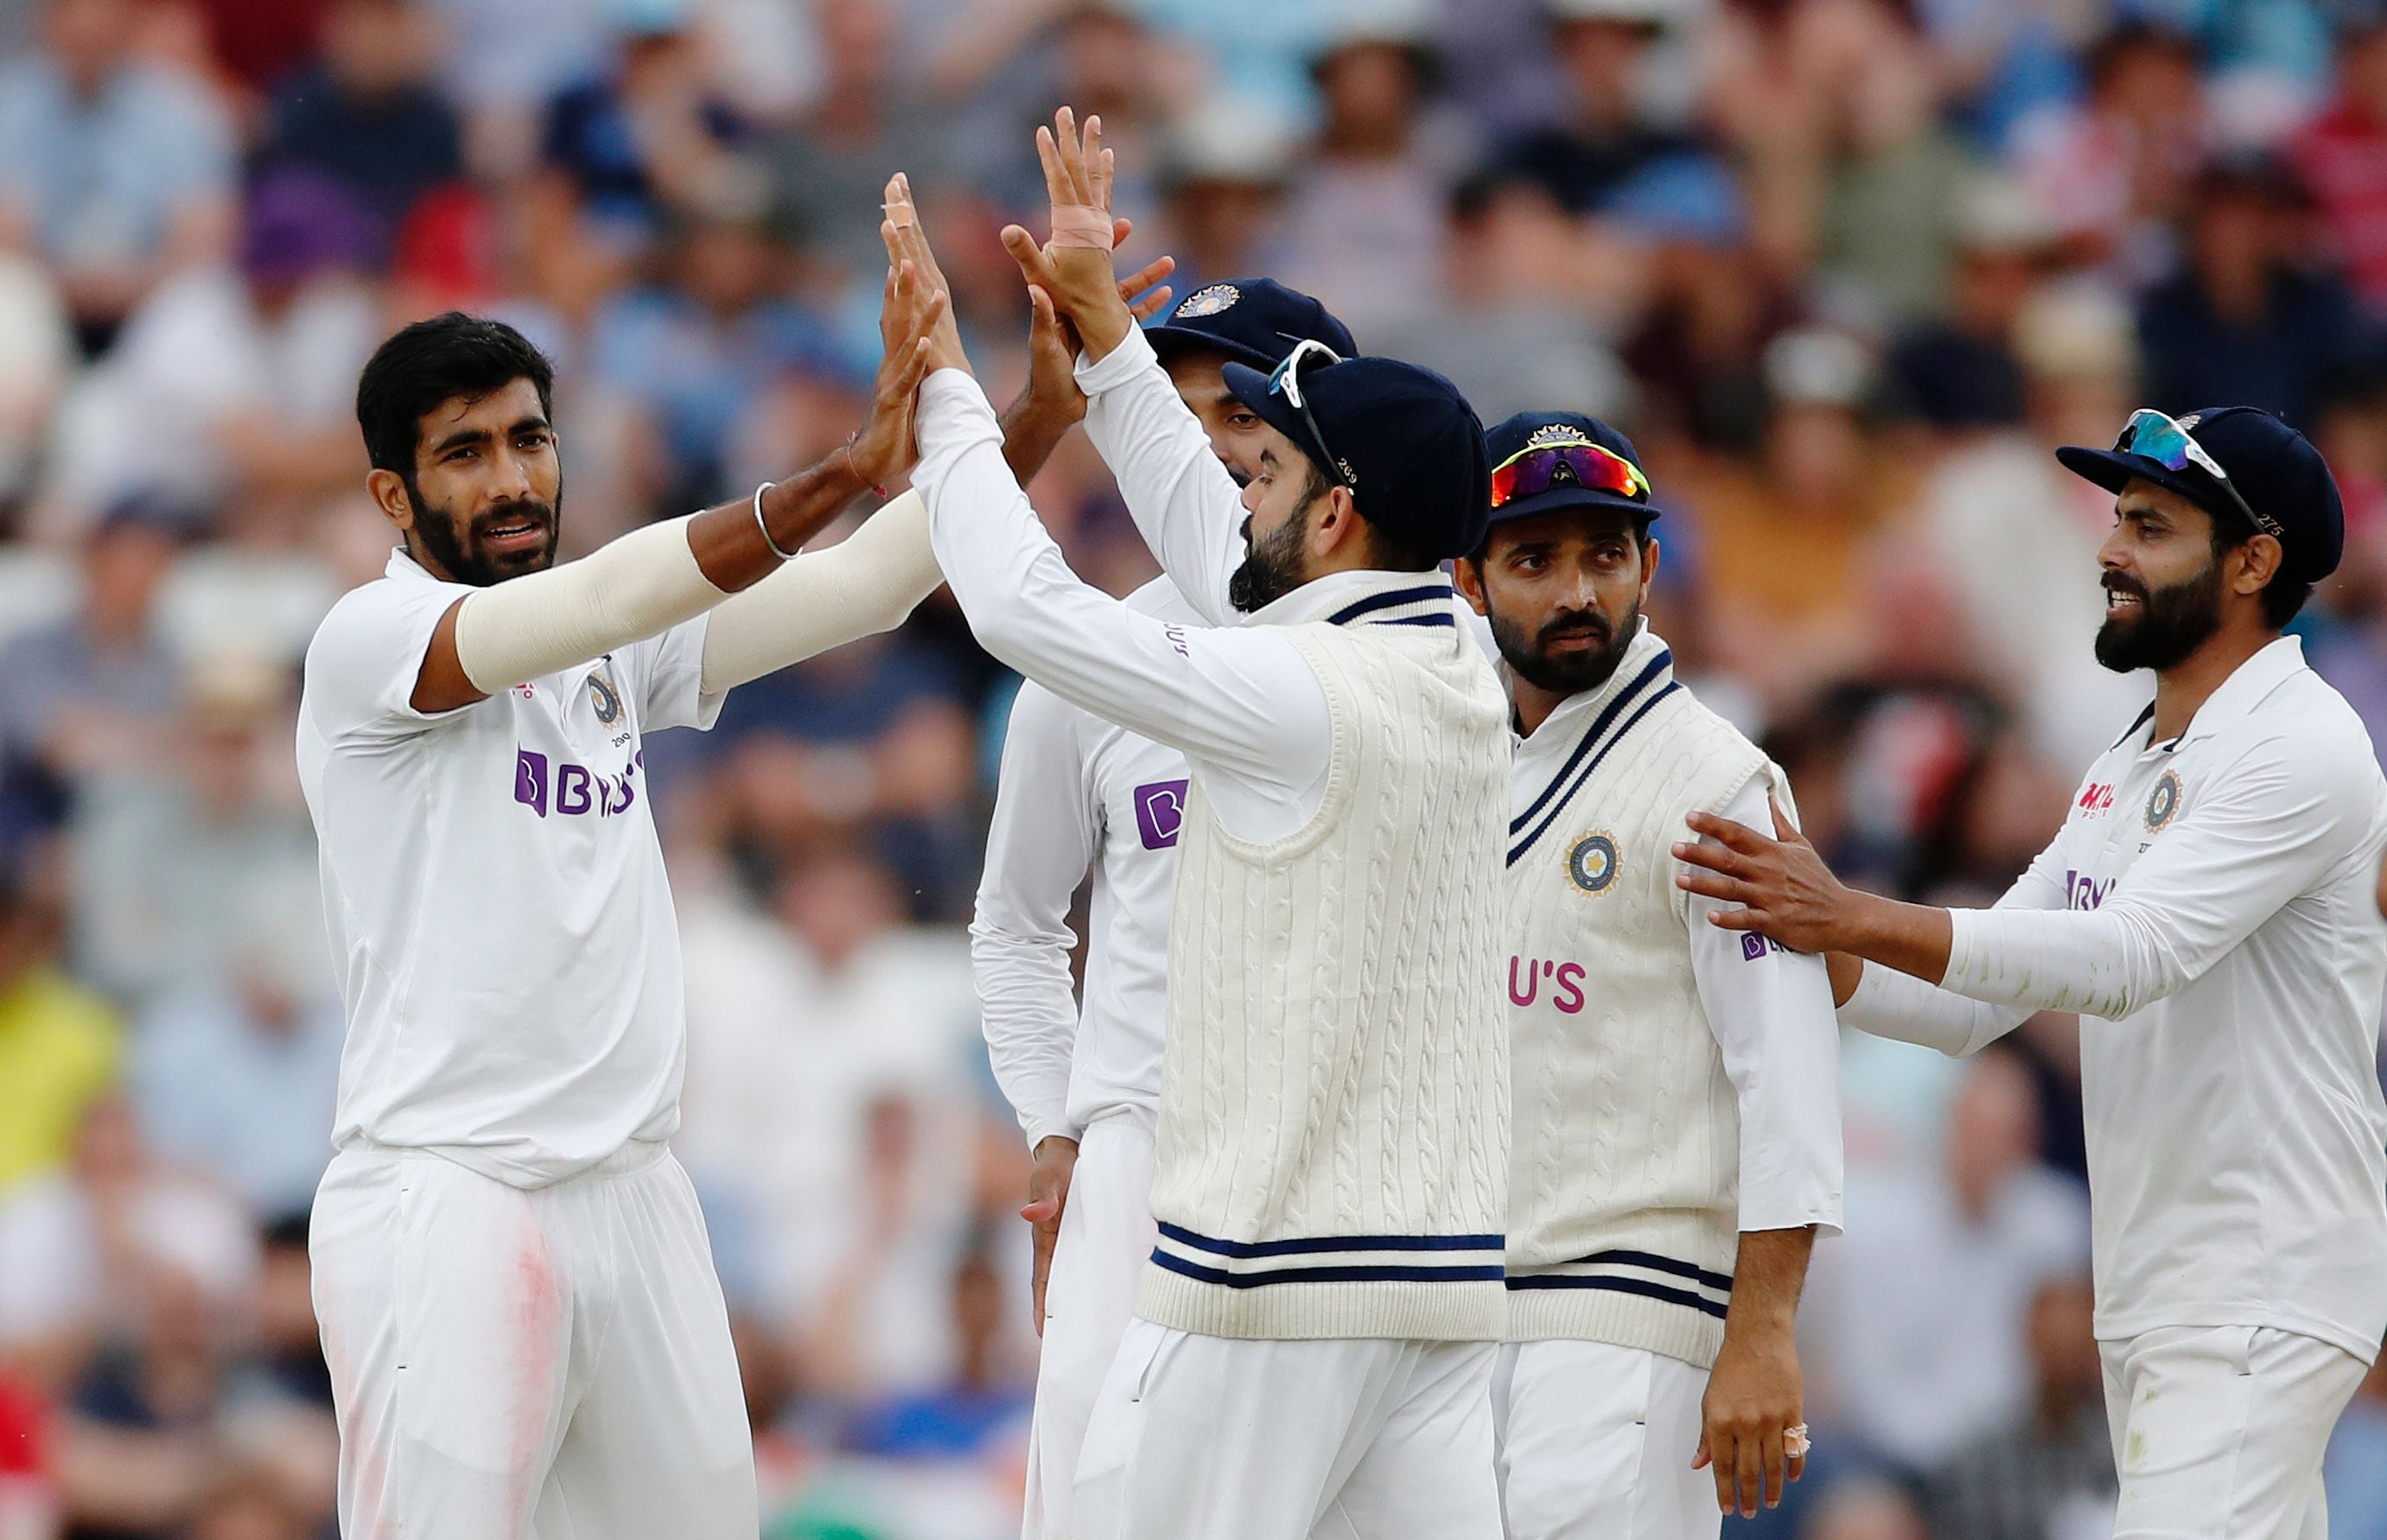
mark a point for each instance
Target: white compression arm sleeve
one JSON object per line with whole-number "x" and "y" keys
{"x": 634, "y": 588}
{"x": 866, "y": 583}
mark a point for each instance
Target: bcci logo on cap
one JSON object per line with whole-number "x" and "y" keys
{"x": 1591, "y": 862}
{"x": 1209, "y": 301}
{"x": 2163, "y": 803}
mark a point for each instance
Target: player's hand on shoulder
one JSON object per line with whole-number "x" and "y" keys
{"x": 1782, "y": 887}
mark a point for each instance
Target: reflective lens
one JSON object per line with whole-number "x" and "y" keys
{"x": 2152, "y": 436}
{"x": 1533, "y": 471}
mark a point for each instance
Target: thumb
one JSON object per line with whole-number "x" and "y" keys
{"x": 1040, "y": 1211}
{"x": 1699, "y": 1460}
{"x": 1784, "y": 829}
{"x": 1041, "y": 303}
{"x": 1024, "y": 251}
{"x": 1121, "y": 228}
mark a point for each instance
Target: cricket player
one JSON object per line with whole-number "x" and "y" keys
{"x": 518, "y": 1303}
{"x": 1077, "y": 790}
{"x": 1675, "y": 1122}
{"x": 1316, "y": 1331}
{"x": 2210, "y": 909}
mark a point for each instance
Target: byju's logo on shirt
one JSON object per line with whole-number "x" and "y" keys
{"x": 2083, "y": 892}
{"x": 1754, "y": 946}
{"x": 1159, "y": 812}
{"x": 574, "y": 790}
{"x": 1565, "y": 979}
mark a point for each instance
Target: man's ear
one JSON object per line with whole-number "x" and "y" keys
{"x": 1649, "y": 566}
{"x": 1338, "y": 520}
{"x": 388, "y": 490}
{"x": 2261, "y": 556}
{"x": 1470, "y": 579}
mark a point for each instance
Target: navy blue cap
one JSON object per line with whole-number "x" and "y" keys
{"x": 1253, "y": 321}
{"x": 1404, "y": 440}
{"x": 1520, "y": 431}
{"x": 2275, "y": 468}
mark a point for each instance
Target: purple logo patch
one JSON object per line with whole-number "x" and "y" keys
{"x": 1159, "y": 812}
{"x": 1752, "y": 945}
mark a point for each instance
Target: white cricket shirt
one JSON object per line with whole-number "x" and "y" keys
{"x": 2210, "y": 908}
{"x": 1077, "y": 790}
{"x": 495, "y": 891}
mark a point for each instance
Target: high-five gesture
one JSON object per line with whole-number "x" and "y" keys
{"x": 1074, "y": 267}
{"x": 886, "y": 446}
{"x": 926, "y": 305}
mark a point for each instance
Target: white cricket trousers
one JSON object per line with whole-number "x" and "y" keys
{"x": 1596, "y": 1443}
{"x": 1211, "y": 1438}
{"x": 2219, "y": 1431}
{"x": 549, "y": 1364}
{"x": 1107, "y": 1233}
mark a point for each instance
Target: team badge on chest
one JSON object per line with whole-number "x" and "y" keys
{"x": 607, "y": 700}
{"x": 2163, "y": 803}
{"x": 1591, "y": 862}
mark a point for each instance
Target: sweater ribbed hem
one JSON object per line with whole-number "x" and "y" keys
{"x": 1471, "y": 1311}
{"x": 1622, "y": 1319}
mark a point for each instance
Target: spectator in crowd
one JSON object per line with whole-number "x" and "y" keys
{"x": 2341, "y": 154}
{"x": 2017, "y": 535}
{"x": 97, "y": 689}
{"x": 230, "y": 399}
{"x": 1959, "y": 372}
{"x": 240, "y": 900}
{"x": 1364, "y": 217}
{"x": 983, "y": 1398}
{"x": 2114, "y": 170}
{"x": 2050, "y": 1474}
{"x": 1921, "y": 1315}
{"x": 1786, "y": 536}
{"x": 2247, "y": 317}
{"x": 368, "y": 112}
{"x": 59, "y": 1041}
{"x": 1223, "y": 182}
{"x": 2356, "y": 1471}
{"x": 1606, "y": 136}
{"x": 36, "y": 346}
{"x": 871, "y": 114}
{"x": 116, "y": 172}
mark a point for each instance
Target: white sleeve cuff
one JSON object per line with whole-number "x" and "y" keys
{"x": 1117, "y": 366}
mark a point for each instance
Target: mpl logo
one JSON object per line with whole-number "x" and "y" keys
{"x": 2083, "y": 892}
{"x": 1159, "y": 812}
{"x": 2097, "y": 799}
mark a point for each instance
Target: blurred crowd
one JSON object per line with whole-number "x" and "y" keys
{"x": 1845, "y": 269}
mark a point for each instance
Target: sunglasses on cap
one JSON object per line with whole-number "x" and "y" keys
{"x": 2152, "y": 436}
{"x": 1536, "y": 468}
{"x": 1285, "y": 381}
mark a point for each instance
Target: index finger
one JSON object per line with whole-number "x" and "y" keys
{"x": 1057, "y": 176}
{"x": 1739, "y": 836}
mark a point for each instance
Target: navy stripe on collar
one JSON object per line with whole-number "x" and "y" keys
{"x": 1590, "y": 739}
{"x": 1394, "y": 599}
{"x": 2136, "y": 723}
{"x": 1517, "y": 851}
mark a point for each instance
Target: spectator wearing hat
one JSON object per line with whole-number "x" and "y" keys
{"x": 2210, "y": 910}
{"x": 1347, "y": 738}
{"x": 1223, "y": 173}
{"x": 1959, "y": 372}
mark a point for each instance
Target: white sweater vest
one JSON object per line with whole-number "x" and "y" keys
{"x": 1624, "y": 1169}
{"x": 1333, "y": 1143}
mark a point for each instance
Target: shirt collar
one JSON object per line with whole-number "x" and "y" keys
{"x": 2248, "y": 687}
{"x": 1365, "y": 597}
{"x": 1639, "y": 653}
{"x": 406, "y": 569}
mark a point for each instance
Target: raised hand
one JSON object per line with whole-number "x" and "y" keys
{"x": 885, "y": 447}
{"x": 907, "y": 245}
{"x": 1074, "y": 268}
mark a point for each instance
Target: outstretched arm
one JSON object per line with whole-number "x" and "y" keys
{"x": 651, "y": 579}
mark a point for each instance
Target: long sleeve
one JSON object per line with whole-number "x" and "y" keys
{"x": 2258, "y": 833}
{"x": 1184, "y": 503}
{"x": 1770, "y": 1012}
{"x": 1043, "y": 837}
{"x": 1888, "y": 1003}
{"x": 1243, "y": 705}
{"x": 865, "y": 584}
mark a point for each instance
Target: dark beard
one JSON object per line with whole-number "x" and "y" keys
{"x": 443, "y": 538}
{"x": 1271, "y": 566}
{"x": 1529, "y": 659}
{"x": 2172, "y": 622}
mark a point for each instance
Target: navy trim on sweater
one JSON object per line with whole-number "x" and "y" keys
{"x": 1311, "y": 1244}
{"x": 1664, "y": 659}
{"x": 1517, "y": 851}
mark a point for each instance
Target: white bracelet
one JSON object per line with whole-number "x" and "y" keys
{"x": 774, "y": 545}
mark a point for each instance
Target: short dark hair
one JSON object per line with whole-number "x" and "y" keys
{"x": 2284, "y": 596}
{"x": 435, "y": 361}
